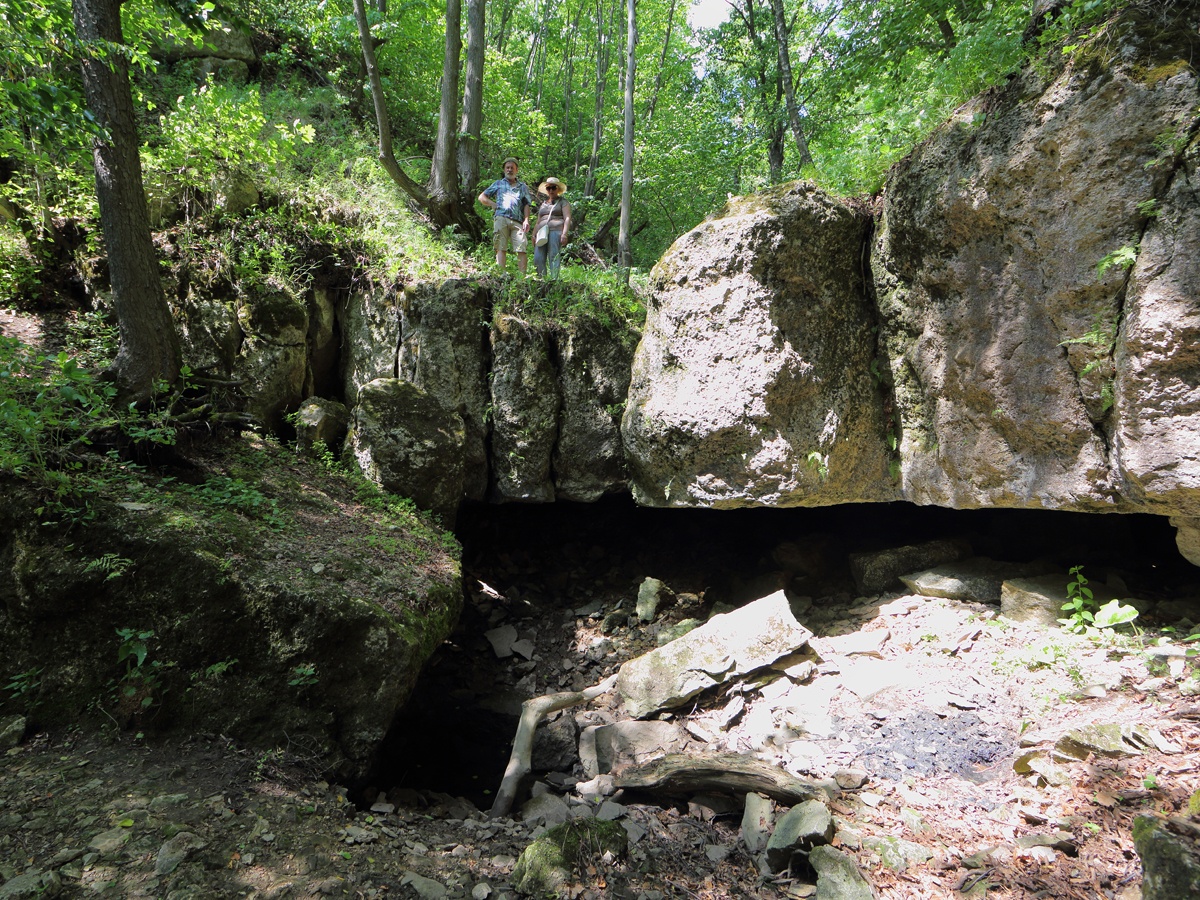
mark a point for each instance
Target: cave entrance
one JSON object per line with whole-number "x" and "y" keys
{"x": 562, "y": 575}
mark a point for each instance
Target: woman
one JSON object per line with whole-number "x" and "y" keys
{"x": 555, "y": 212}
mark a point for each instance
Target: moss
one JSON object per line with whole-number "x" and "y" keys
{"x": 547, "y": 863}
{"x": 1152, "y": 76}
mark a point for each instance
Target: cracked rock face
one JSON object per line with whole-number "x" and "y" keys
{"x": 1027, "y": 373}
{"x": 753, "y": 383}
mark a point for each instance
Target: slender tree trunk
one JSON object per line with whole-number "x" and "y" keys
{"x": 775, "y": 153}
{"x": 501, "y": 32}
{"x": 149, "y": 345}
{"x": 603, "y": 55}
{"x": 443, "y": 181}
{"x": 387, "y": 156}
{"x": 785, "y": 74}
{"x": 472, "y": 111}
{"x": 662, "y": 65}
{"x": 625, "y": 255}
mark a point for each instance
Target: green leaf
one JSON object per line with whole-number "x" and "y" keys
{"x": 1114, "y": 613}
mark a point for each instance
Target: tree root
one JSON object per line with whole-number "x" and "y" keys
{"x": 533, "y": 711}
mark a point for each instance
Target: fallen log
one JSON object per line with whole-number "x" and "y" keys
{"x": 533, "y": 711}
{"x": 681, "y": 774}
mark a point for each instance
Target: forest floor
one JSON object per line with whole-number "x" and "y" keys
{"x": 949, "y": 711}
{"x": 933, "y": 700}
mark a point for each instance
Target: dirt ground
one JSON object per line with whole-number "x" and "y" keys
{"x": 949, "y": 711}
{"x": 949, "y": 699}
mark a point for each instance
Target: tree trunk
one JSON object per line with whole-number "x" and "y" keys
{"x": 625, "y": 256}
{"x": 775, "y": 153}
{"x": 439, "y": 199}
{"x": 785, "y": 74}
{"x": 149, "y": 345}
{"x": 662, "y": 65}
{"x": 472, "y": 111}
{"x": 603, "y": 56}
{"x": 443, "y": 181}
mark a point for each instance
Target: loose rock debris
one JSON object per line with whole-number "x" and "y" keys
{"x": 909, "y": 741}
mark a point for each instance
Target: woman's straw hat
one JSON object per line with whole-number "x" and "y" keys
{"x": 562, "y": 187}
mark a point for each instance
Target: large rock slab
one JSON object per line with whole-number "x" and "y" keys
{"x": 525, "y": 409}
{"x": 444, "y": 351}
{"x": 370, "y": 321}
{"x": 594, "y": 366}
{"x": 978, "y": 579}
{"x": 1021, "y": 377}
{"x": 724, "y": 648}
{"x": 273, "y": 358}
{"x": 405, "y": 441}
{"x": 752, "y": 385}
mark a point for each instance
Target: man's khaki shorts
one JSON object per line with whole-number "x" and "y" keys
{"x": 505, "y": 229}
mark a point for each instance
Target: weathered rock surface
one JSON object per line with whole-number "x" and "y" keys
{"x": 594, "y": 364}
{"x": 1020, "y": 378}
{"x": 1170, "y": 859}
{"x": 525, "y": 406}
{"x": 444, "y": 351}
{"x": 752, "y": 384}
{"x": 726, "y": 646}
{"x": 405, "y": 441}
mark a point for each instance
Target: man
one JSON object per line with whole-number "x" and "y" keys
{"x": 511, "y": 201}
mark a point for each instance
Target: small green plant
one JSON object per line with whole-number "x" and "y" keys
{"x": 110, "y": 564}
{"x": 1114, "y": 613}
{"x": 140, "y": 685}
{"x": 23, "y": 686}
{"x": 217, "y": 669}
{"x": 303, "y": 675}
{"x": 1080, "y": 605}
{"x": 818, "y": 463}
{"x": 1149, "y": 208}
{"x": 1122, "y": 258}
{"x": 1150, "y": 782}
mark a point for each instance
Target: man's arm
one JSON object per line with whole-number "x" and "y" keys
{"x": 486, "y": 195}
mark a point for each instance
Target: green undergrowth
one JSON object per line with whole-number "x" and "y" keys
{"x": 579, "y": 294}
{"x": 63, "y": 435}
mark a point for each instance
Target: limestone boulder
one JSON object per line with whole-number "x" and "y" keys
{"x": 525, "y": 410}
{"x": 370, "y": 323}
{"x": 879, "y": 570}
{"x": 726, "y": 647}
{"x": 1156, "y": 434}
{"x": 323, "y": 421}
{"x": 218, "y": 42}
{"x": 1170, "y": 859}
{"x": 209, "y": 334}
{"x": 753, "y": 381}
{"x": 273, "y": 359}
{"x": 594, "y": 364}
{"x": 1024, "y": 372}
{"x": 1187, "y": 538}
{"x": 405, "y": 441}
{"x": 444, "y": 350}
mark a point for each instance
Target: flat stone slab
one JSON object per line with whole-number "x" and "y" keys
{"x": 978, "y": 579}
{"x": 724, "y": 648}
{"x": 1039, "y": 601}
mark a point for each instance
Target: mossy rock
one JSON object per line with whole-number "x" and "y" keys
{"x": 547, "y": 864}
